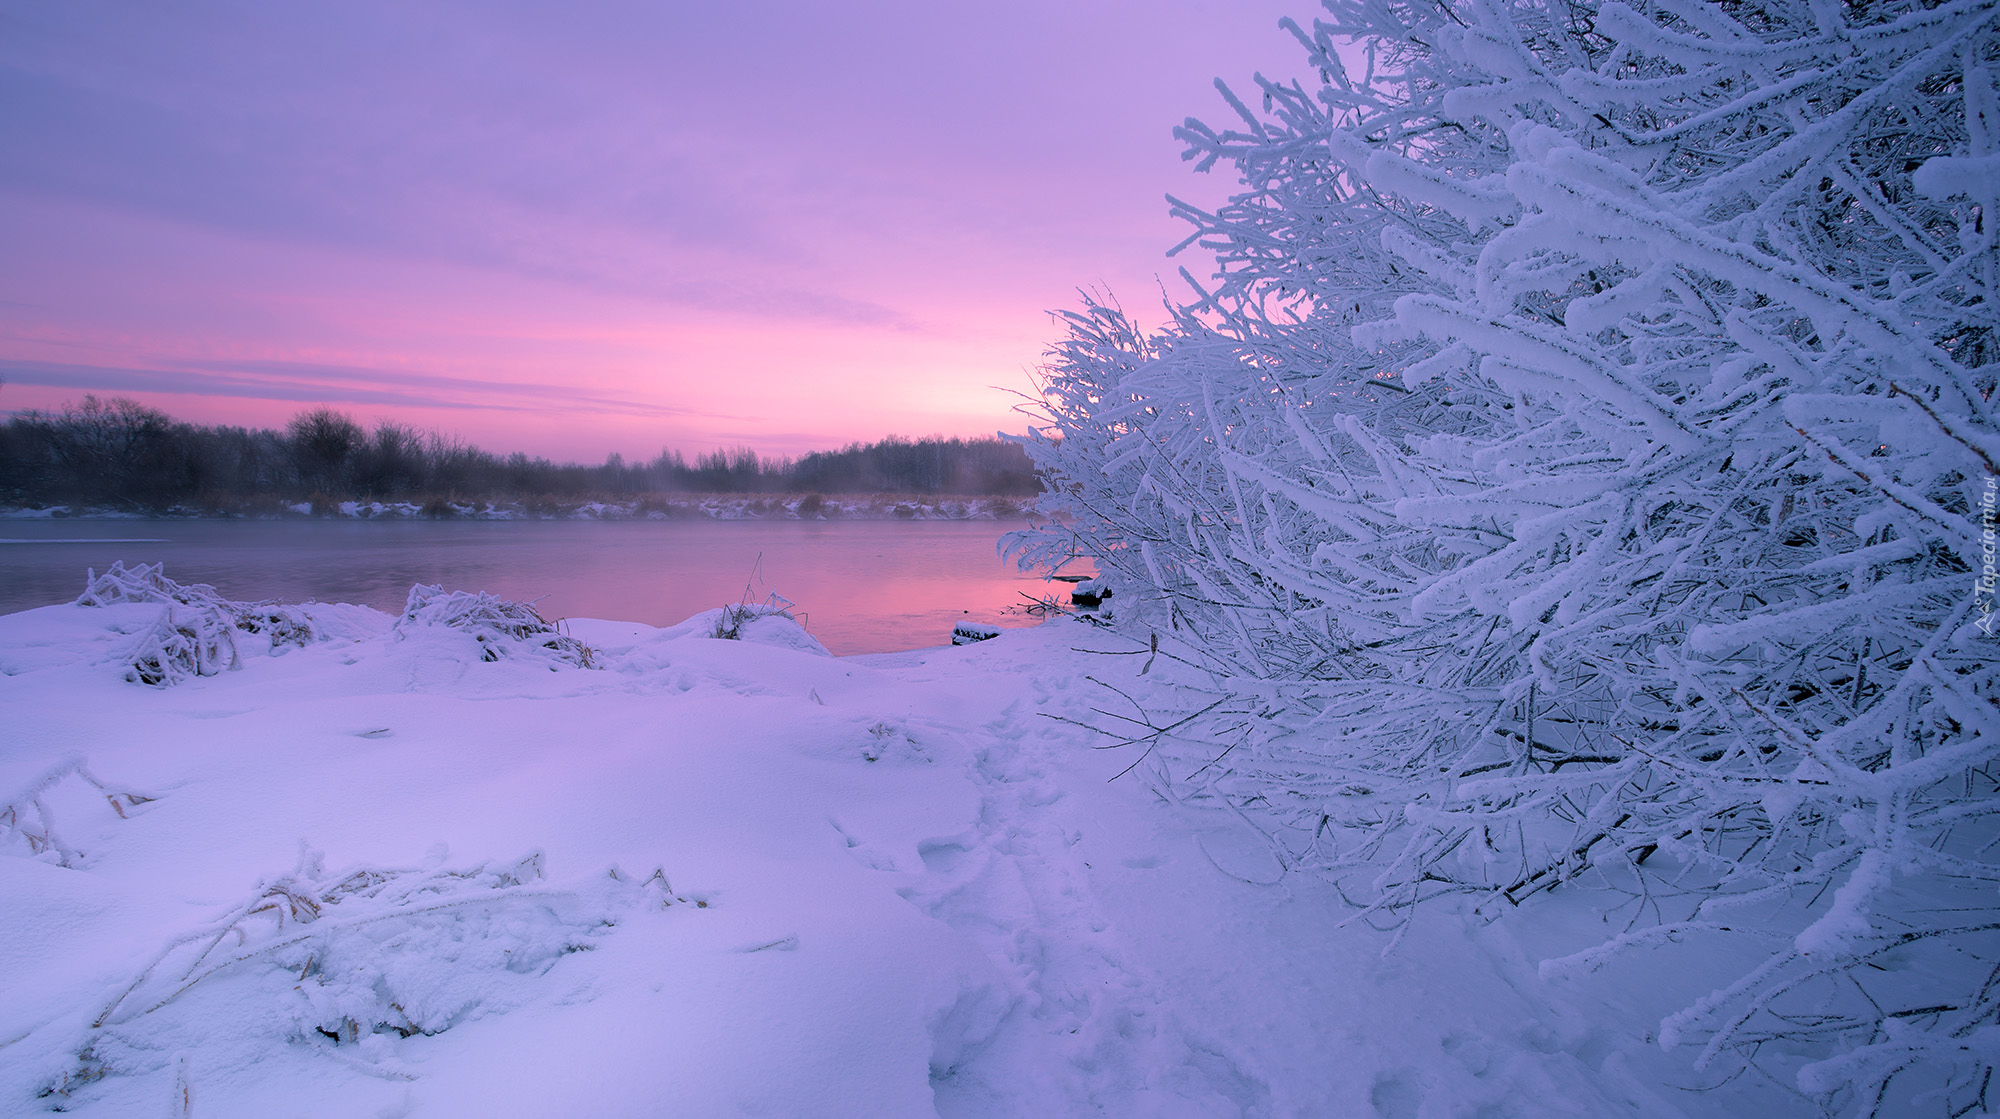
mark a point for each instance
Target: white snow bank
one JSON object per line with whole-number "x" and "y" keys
{"x": 762, "y": 623}
{"x": 889, "y": 886}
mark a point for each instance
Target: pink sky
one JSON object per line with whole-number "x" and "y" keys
{"x": 575, "y": 229}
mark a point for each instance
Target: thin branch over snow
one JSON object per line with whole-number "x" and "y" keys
{"x": 27, "y": 816}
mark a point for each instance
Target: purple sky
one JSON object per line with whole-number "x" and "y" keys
{"x": 573, "y": 229}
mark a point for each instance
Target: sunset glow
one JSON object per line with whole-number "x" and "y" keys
{"x": 576, "y": 231}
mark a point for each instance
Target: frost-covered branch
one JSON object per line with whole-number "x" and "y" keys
{"x": 1584, "y": 433}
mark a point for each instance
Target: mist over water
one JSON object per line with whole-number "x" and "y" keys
{"x": 860, "y": 587}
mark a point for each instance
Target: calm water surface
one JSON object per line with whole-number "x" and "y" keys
{"x": 861, "y": 586}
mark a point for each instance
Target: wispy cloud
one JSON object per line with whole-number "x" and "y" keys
{"x": 746, "y": 221}
{"x": 311, "y": 383}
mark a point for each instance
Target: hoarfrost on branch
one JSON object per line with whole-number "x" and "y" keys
{"x": 1579, "y": 452}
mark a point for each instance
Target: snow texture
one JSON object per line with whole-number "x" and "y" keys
{"x": 901, "y": 885}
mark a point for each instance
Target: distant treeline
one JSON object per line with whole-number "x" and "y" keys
{"x": 119, "y": 452}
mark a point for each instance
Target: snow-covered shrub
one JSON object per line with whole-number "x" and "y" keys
{"x": 28, "y": 820}
{"x": 147, "y": 582}
{"x": 499, "y": 626}
{"x": 184, "y": 643}
{"x": 196, "y": 632}
{"x": 357, "y": 957}
{"x": 282, "y": 625}
{"x": 1580, "y": 452}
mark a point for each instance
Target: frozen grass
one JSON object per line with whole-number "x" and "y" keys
{"x": 732, "y": 619}
{"x": 28, "y": 814}
{"x": 196, "y": 634}
{"x": 501, "y": 628}
{"x": 353, "y": 960}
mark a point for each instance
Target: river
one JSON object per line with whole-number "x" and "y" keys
{"x": 860, "y": 586}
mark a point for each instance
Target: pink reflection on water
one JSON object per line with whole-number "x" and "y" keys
{"x": 860, "y": 586}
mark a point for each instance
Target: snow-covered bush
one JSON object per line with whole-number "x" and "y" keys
{"x": 499, "y": 626}
{"x": 196, "y": 632}
{"x": 183, "y": 643}
{"x": 1580, "y": 455}
{"x": 281, "y": 625}
{"x": 147, "y": 582}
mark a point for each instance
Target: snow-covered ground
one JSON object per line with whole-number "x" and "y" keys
{"x": 409, "y": 869}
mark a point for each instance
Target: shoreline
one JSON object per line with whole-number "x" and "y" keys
{"x": 653, "y": 507}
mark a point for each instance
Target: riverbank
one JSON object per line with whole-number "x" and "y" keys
{"x": 442, "y": 865}
{"x": 862, "y": 585}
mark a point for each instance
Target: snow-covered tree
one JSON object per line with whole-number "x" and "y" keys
{"x": 1580, "y": 454}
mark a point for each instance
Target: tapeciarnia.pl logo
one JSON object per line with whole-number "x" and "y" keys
{"x": 1983, "y": 584}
